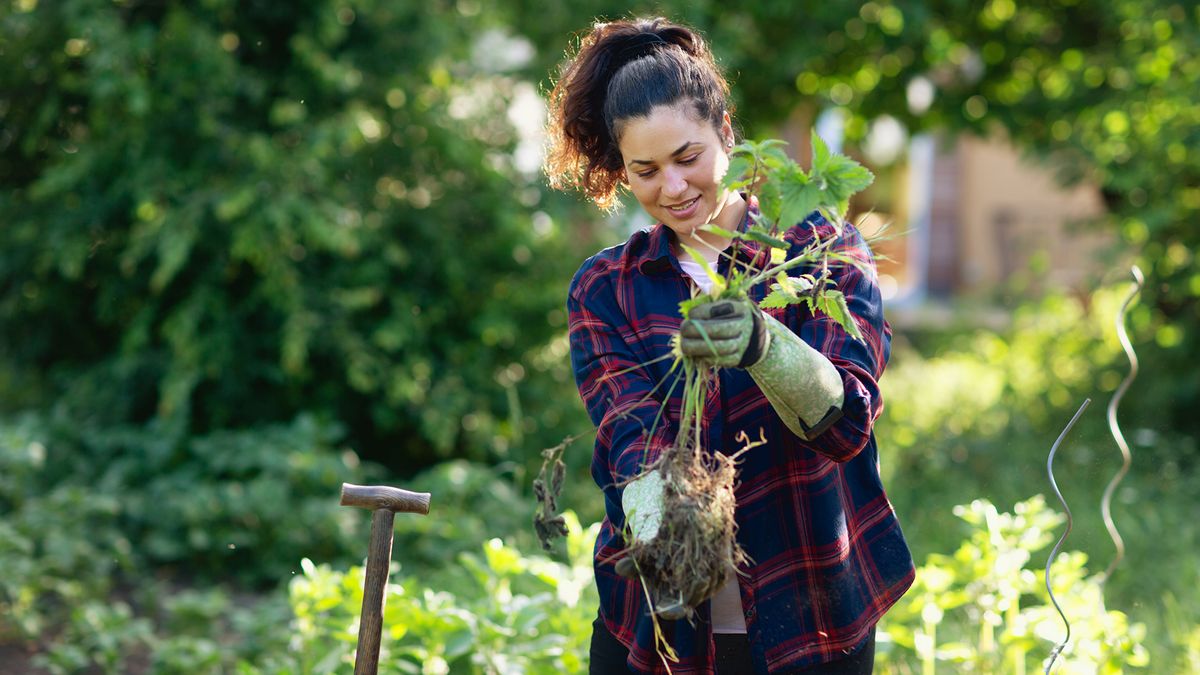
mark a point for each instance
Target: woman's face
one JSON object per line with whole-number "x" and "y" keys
{"x": 674, "y": 163}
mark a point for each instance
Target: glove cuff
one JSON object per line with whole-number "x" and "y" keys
{"x": 760, "y": 339}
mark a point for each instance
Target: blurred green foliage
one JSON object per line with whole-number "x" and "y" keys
{"x": 984, "y": 608}
{"x": 245, "y": 243}
{"x": 229, "y": 213}
{"x": 1102, "y": 91}
{"x": 92, "y": 514}
{"x": 1053, "y": 352}
{"x": 508, "y": 612}
{"x": 225, "y": 213}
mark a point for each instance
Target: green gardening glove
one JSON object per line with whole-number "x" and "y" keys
{"x": 724, "y": 333}
{"x": 801, "y": 383}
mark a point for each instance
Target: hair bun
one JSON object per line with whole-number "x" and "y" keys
{"x": 640, "y": 45}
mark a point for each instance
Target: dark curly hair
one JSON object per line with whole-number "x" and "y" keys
{"x": 622, "y": 70}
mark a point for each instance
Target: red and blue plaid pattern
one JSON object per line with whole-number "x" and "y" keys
{"x": 828, "y": 557}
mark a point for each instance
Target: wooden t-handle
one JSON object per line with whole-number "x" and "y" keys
{"x": 384, "y": 497}
{"x": 384, "y": 502}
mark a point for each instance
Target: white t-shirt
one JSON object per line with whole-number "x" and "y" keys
{"x": 727, "y": 614}
{"x": 695, "y": 271}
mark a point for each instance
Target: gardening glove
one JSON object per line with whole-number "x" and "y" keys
{"x": 642, "y": 501}
{"x": 725, "y": 334}
{"x": 801, "y": 384}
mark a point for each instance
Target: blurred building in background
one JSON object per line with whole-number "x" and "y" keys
{"x": 965, "y": 218}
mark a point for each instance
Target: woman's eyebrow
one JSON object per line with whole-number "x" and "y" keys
{"x": 678, "y": 151}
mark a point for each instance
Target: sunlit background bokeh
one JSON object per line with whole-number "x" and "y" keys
{"x": 250, "y": 250}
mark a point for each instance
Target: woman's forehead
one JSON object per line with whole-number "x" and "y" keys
{"x": 665, "y": 131}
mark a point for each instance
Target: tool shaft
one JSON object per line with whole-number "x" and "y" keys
{"x": 379, "y": 559}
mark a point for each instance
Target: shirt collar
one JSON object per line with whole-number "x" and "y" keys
{"x": 658, "y": 258}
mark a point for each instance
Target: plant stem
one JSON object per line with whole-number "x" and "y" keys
{"x": 929, "y": 659}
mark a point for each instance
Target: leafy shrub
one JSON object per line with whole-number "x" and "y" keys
{"x": 984, "y": 609}
{"x": 978, "y": 383}
{"x": 471, "y": 503}
{"x": 87, "y": 515}
{"x": 273, "y": 218}
{"x": 511, "y": 613}
{"x": 240, "y": 504}
{"x": 101, "y": 635}
{"x": 60, "y": 544}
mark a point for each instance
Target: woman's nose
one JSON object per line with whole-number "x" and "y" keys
{"x": 674, "y": 183}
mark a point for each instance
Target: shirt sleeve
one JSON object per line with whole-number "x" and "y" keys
{"x": 860, "y": 363}
{"x": 621, "y": 399}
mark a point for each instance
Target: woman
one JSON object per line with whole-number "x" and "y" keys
{"x": 642, "y": 105}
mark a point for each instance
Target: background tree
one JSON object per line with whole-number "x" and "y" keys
{"x": 1103, "y": 91}
{"x": 225, "y": 213}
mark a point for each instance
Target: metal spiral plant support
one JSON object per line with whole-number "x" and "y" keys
{"x": 1053, "y": 553}
{"x": 1106, "y": 501}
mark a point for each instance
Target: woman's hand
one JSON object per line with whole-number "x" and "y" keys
{"x": 802, "y": 384}
{"x": 724, "y": 333}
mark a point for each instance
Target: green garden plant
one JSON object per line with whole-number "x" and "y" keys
{"x": 509, "y": 612}
{"x": 984, "y": 608}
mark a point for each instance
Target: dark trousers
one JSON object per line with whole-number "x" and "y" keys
{"x": 733, "y": 656}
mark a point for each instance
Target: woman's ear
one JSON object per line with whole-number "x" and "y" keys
{"x": 727, "y": 136}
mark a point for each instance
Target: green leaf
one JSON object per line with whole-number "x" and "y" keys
{"x": 770, "y": 202}
{"x": 833, "y": 304}
{"x": 820, "y": 153}
{"x": 740, "y": 172}
{"x": 798, "y": 200}
{"x": 788, "y": 291}
{"x": 771, "y": 154}
{"x": 799, "y": 284}
{"x": 776, "y": 299}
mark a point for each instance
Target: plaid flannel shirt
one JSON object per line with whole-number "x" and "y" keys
{"x": 827, "y": 554}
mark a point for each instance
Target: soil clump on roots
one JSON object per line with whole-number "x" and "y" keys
{"x": 695, "y": 551}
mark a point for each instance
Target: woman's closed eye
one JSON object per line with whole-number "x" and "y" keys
{"x": 685, "y": 161}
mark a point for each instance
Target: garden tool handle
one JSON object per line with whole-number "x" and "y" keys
{"x": 385, "y": 502}
{"x": 384, "y": 497}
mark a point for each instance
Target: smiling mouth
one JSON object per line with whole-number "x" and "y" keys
{"x": 684, "y": 206}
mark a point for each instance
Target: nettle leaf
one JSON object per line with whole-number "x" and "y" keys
{"x": 771, "y": 154}
{"x": 843, "y": 178}
{"x": 800, "y": 284}
{"x": 776, "y": 299}
{"x": 820, "y": 153}
{"x": 770, "y": 200}
{"x": 741, "y": 171}
{"x": 846, "y": 176}
{"x": 833, "y": 304}
{"x": 799, "y": 200}
{"x": 788, "y": 291}
{"x": 838, "y": 176}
